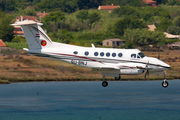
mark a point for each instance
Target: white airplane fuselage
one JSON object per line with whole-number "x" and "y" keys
{"x": 123, "y": 61}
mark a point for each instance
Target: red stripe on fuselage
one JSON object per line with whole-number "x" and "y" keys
{"x": 127, "y": 66}
{"x": 78, "y": 57}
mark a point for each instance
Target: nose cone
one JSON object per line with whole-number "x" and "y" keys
{"x": 159, "y": 63}
{"x": 166, "y": 65}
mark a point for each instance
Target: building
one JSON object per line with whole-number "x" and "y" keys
{"x": 17, "y": 29}
{"x": 171, "y": 36}
{"x": 174, "y": 45}
{"x": 22, "y": 18}
{"x": 41, "y": 15}
{"x": 150, "y": 2}
{"x": 2, "y": 44}
{"x": 108, "y": 8}
{"x": 113, "y": 42}
{"x": 152, "y": 27}
{"x": 167, "y": 35}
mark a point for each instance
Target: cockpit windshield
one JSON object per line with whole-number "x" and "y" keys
{"x": 141, "y": 54}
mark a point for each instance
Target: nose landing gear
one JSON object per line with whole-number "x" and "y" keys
{"x": 165, "y": 83}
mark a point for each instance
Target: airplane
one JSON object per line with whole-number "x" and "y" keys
{"x": 108, "y": 61}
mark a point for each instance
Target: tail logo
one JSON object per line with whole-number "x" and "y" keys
{"x": 43, "y": 43}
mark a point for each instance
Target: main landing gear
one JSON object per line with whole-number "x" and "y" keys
{"x": 104, "y": 83}
{"x": 118, "y": 78}
{"x": 165, "y": 83}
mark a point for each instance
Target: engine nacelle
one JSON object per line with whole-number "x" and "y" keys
{"x": 131, "y": 71}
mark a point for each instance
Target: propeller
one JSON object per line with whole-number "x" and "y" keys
{"x": 146, "y": 73}
{"x": 147, "y": 70}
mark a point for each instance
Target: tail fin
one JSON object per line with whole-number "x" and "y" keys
{"x": 35, "y": 35}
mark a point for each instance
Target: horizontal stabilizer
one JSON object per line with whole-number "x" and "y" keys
{"x": 28, "y": 22}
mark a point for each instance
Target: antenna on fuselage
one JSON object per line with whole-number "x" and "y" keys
{"x": 92, "y": 45}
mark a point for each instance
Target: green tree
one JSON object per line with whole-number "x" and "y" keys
{"x": 163, "y": 24}
{"x": 7, "y": 5}
{"x": 36, "y": 1}
{"x": 132, "y": 23}
{"x": 173, "y": 30}
{"x": 54, "y": 5}
{"x": 54, "y": 16}
{"x": 6, "y": 31}
{"x": 177, "y": 22}
{"x": 82, "y": 15}
{"x": 25, "y": 12}
{"x": 87, "y": 4}
{"x": 54, "y": 20}
{"x": 142, "y": 37}
{"x": 93, "y": 17}
{"x": 30, "y": 12}
{"x": 125, "y": 11}
{"x": 161, "y": 1}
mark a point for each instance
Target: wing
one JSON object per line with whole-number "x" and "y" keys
{"x": 106, "y": 68}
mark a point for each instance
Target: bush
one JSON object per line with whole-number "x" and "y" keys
{"x": 173, "y": 30}
{"x": 18, "y": 39}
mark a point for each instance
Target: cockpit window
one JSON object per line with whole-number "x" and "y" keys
{"x": 141, "y": 54}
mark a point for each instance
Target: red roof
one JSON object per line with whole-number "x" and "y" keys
{"x": 30, "y": 7}
{"x": 149, "y": 1}
{"x": 26, "y": 18}
{"x": 2, "y": 43}
{"x": 108, "y": 7}
{"x": 40, "y": 14}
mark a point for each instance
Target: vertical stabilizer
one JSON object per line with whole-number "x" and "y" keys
{"x": 35, "y": 35}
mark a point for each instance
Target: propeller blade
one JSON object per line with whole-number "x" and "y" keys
{"x": 146, "y": 73}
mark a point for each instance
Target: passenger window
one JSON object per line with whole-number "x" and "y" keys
{"x": 107, "y": 54}
{"x": 101, "y": 54}
{"x": 120, "y": 54}
{"x": 133, "y": 55}
{"x": 86, "y": 53}
{"x": 96, "y": 54}
{"x": 75, "y": 52}
{"x": 114, "y": 54}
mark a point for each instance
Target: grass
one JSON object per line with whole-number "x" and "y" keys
{"x": 18, "y": 45}
{"x": 31, "y": 68}
{"x": 4, "y": 82}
